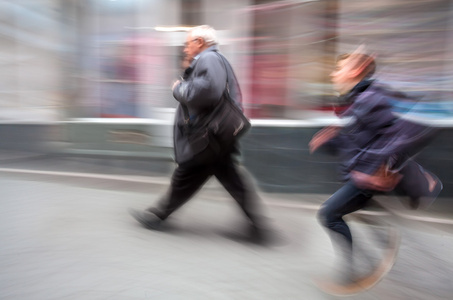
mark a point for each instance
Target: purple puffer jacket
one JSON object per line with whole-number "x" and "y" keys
{"x": 375, "y": 134}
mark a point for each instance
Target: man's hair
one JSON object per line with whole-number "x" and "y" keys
{"x": 363, "y": 61}
{"x": 206, "y": 32}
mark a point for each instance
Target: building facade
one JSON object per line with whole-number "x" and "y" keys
{"x": 76, "y": 59}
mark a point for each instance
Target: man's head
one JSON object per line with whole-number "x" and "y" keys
{"x": 199, "y": 39}
{"x": 350, "y": 69}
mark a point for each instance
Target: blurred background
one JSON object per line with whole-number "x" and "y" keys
{"x": 86, "y": 115}
{"x": 93, "y": 77}
{"x": 71, "y": 59}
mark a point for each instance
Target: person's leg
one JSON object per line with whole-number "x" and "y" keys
{"x": 184, "y": 183}
{"x": 421, "y": 186}
{"x": 344, "y": 201}
{"x": 238, "y": 186}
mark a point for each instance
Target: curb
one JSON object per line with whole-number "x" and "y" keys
{"x": 285, "y": 200}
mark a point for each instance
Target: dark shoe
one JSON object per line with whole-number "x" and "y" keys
{"x": 264, "y": 236}
{"x": 146, "y": 218}
{"x": 252, "y": 235}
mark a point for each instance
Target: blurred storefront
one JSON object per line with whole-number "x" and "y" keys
{"x": 32, "y": 87}
{"x": 76, "y": 59}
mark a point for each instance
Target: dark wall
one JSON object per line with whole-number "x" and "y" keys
{"x": 28, "y": 137}
{"x": 277, "y": 157}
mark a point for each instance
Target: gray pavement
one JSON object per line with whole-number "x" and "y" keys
{"x": 66, "y": 236}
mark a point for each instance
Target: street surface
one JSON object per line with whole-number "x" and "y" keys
{"x": 66, "y": 236}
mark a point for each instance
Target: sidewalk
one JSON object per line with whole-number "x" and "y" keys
{"x": 154, "y": 175}
{"x": 70, "y": 237}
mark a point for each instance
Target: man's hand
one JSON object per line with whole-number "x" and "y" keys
{"x": 322, "y": 136}
{"x": 175, "y": 84}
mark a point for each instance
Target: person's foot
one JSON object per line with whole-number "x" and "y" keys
{"x": 386, "y": 263}
{"x": 258, "y": 235}
{"x": 432, "y": 182}
{"x": 338, "y": 288}
{"x": 265, "y": 236}
{"x": 146, "y": 218}
{"x": 340, "y": 282}
{"x": 435, "y": 187}
{"x": 252, "y": 234}
{"x": 349, "y": 283}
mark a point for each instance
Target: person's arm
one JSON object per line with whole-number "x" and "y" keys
{"x": 322, "y": 137}
{"x": 205, "y": 86}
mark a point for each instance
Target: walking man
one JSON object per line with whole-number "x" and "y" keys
{"x": 198, "y": 93}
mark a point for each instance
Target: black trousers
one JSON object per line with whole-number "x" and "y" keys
{"x": 187, "y": 180}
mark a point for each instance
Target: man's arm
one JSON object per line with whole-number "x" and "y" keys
{"x": 205, "y": 87}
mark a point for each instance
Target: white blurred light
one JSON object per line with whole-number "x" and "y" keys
{"x": 175, "y": 28}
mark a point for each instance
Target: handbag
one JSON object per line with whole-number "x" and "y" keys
{"x": 383, "y": 179}
{"x": 216, "y": 134}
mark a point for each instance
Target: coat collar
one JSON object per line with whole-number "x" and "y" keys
{"x": 189, "y": 70}
{"x": 345, "y": 101}
{"x": 210, "y": 49}
{"x": 356, "y": 90}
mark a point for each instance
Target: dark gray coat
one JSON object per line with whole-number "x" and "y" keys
{"x": 200, "y": 91}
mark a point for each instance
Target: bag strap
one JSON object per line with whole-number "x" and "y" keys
{"x": 227, "y": 87}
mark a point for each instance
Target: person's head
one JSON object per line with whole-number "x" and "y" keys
{"x": 350, "y": 69}
{"x": 199, "y": 39}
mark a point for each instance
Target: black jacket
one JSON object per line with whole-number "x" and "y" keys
{"x": 200, "y": 91}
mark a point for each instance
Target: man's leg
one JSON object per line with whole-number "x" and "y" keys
{"x": 184, "y": 183}
{"x": 243, "y": 191}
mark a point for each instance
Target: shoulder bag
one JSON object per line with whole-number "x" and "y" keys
{"x": 217, "y": 134}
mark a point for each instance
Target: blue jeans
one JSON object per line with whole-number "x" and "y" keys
{"x": 344, "y": 201}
